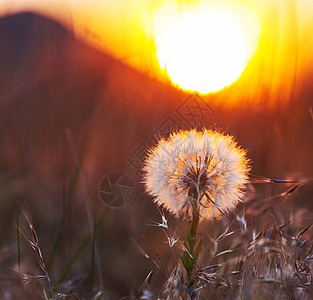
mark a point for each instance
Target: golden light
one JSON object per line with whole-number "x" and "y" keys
{"x": 204, "y": 48}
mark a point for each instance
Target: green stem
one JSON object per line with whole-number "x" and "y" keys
{"x": 194, "y": 246}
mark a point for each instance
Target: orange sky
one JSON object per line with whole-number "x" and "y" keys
{"x": 117, "y": 27}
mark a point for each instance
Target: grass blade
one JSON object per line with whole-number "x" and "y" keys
{"x": 18, "y": 242}
{"x": 65, "y": 210}
{"x": 82, "y": 246}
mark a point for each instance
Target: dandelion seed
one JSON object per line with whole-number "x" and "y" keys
{"x": 206, "y": 169}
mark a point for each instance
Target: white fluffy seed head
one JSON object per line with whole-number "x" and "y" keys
{"x": 206, "y": 168}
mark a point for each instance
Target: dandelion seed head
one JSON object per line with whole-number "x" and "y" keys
{"x": 204, "y": 166}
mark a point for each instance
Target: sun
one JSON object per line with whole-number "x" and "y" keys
{"x": 206, "y": 48}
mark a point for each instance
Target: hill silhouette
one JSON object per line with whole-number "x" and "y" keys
{"x": 50, "y": 81}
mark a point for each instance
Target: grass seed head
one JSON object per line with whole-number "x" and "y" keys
{"x": 174, "y": 287}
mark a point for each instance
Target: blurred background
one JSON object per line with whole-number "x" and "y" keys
{"x": 87, "y": 86}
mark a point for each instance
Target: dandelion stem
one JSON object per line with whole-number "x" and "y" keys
{"x": 194, "y": 247}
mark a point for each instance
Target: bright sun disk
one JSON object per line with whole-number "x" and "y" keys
{"x": 204, "y": 49}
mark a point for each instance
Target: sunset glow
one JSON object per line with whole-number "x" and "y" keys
{"x": 198, "y": 45}
{"x": 204, "y": 49}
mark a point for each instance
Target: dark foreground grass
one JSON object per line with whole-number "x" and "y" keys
{"x": 249, "y": 254}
